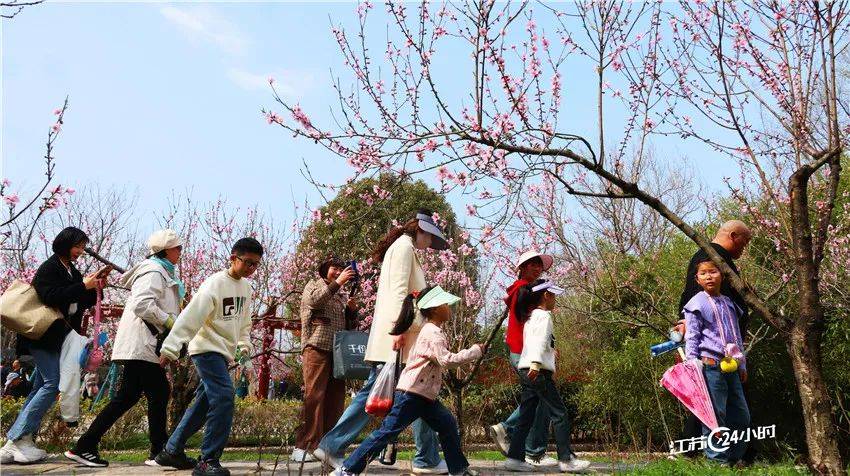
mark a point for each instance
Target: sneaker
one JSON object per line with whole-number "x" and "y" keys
{"x": 542, "y": 460}
{"x": 152, "y": 463}
{"x": 467, "y": 472}
{"x": 441, "y": 468}
{"x": 341, "y": 472}
{"x": 6, "y": 456}
{"x": 179, "y": 461}
{"x": 499, "y": 436}
{"x": 518, "y": 466}
{"x": 328, "y": 459}
{"x": 574, "y": 465}
{"x": 24, "y": 451}
{"x": 299, "y": 455}
{"x": 88, "y": 458}
{"x": 210, "y": 468}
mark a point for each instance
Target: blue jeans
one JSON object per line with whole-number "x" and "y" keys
{"x": 45, "y": 388}
{"x": 408, "y": 407}
{"x": 538, "y": 437}
{"x": 730, "y": 408}
{"x": 541, "y": 392}
{"x": 355, "y": 418}
{"x": 213, "y": 404}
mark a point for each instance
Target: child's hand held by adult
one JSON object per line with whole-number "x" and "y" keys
{"x": 163, "y": 361}
{"x": 532, "y": 374}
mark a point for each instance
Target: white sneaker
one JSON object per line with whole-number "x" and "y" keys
{"x": 299, "y": 455}
{"x": 441, "y": 468}
{"x": 518, "y": 466}
{"x": 574, "y": 465}
{"x": 341, "y": 472}
{"x": 24, "y": 451}
{"x": 6, "y": 456}
{"x": 152, "y": 463}
{"x": 499, "y": 436}
{"x": 544, "y": 460}
{"x": 327, "y": 459}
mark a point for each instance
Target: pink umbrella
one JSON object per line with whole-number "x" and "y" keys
{"x": 686, "y": 382}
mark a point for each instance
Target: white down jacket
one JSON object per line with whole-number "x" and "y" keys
{"x": 153, "y": 297}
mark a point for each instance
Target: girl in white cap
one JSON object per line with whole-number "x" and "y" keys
{"x": 150, "y": 310}
{"x": 420, "y": 383}
{"x": 534, "y": 305}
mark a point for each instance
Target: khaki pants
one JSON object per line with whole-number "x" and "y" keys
{"x": 324, "y": 397}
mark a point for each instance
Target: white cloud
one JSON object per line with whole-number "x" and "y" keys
{"x": 291, "y": 84}
{"x": 202, "y": 24}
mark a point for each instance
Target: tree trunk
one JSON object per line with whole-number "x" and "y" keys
{"x": 182, "y": 391}
{"x": 821, "y": 436}
{"x": 457, "y": 394}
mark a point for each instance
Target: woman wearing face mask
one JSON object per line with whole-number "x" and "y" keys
{"x": 58, "y": 285}
{"x": 400, "y": 275}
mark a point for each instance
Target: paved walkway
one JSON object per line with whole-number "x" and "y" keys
{"x": 56, "y": 465}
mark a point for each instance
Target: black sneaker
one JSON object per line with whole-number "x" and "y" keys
{"x": 210, "y": 468}
{"x": 88, "y": 458}
{"x": 179, "y": 461}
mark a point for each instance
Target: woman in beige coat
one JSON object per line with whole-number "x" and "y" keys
{"x": 401, "y": 274}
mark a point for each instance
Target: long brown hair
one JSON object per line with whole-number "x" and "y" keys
{"x": 381, "y": 248}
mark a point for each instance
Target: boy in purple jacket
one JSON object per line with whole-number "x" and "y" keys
{"x": 711, "y": 335}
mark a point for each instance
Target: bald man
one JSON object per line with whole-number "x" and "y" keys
{"x": 730, "y": 241}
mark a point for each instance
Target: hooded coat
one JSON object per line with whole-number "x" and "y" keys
{"x": 154, "y": 297}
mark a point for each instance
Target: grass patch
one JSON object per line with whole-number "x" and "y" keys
{"x": 631, "y": 464}
{"x": 702, "y": 467}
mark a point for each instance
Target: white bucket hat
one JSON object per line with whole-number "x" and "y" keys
{"x": 548, "y": 260}
{"x": 426, "y": 223}
{"x": 163, "y": 240}
{"x": 549, "y": 286}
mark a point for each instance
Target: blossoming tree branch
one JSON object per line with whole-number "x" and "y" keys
{"x": 755, "y": 83}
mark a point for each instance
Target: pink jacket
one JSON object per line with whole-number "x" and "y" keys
{"x": 423, "y": 373}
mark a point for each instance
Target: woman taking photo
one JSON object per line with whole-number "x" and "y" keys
{"x": 400, "y": 275}
{"x": 150, "y": 310}
{"x": 58, "y": 285}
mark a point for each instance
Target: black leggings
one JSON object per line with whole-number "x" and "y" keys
{"x": 137, "y": 378}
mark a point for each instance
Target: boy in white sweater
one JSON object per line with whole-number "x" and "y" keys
{"x": 216, "y": 324}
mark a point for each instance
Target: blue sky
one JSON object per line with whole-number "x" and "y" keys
{"x": 167, "y": 97}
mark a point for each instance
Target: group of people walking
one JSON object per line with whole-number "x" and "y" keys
{"x": 214, "y": 330}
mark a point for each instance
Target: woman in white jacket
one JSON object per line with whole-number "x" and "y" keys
{"x": 150, "y": 310}
{"x": 401, "y": 274}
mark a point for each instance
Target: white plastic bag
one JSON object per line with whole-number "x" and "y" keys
{"x": 380, "y": 399}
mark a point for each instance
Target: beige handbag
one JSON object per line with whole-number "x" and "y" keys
{"x": 23, "y": 312}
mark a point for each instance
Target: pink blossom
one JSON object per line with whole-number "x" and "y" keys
{"x": 56, "y": 127}
{"x": 471, "y": 210}
{"x": 271, "y": 80}
{"x": 6, "y": 182}
{"x": 11, "y": 200}
{"x": 56, "y": 112}
{"x": 69, "y": 191}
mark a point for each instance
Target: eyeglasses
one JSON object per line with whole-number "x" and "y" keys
{"x": 249, "y": 263}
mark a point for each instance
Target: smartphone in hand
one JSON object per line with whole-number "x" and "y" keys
{"x": 104, "y": 272}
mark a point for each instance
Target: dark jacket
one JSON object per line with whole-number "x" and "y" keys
{"x": 57, "y": 289}
{"x": 692, "y": 288}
